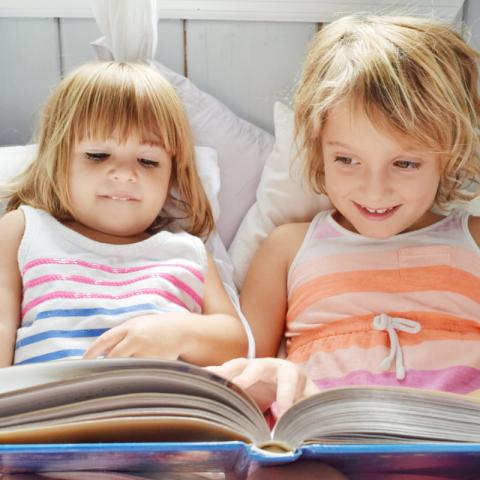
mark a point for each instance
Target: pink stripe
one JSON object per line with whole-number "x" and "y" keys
{"x": 326, "y": 230}
{"x": 53, "y": 295}
{"x": 91, "y": 281}
{"x": 106, "y": 268}
{"x": 454, "y": 379}
{"x": 183, "y": 286}
{"x": 346, "y": 262}
{"x": 453, "y": 223}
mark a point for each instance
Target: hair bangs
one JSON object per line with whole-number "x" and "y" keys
{"x": 111, "y": 108}
{"x": 397, "y": 86}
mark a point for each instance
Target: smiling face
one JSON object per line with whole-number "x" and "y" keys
{"x": 117, "y": 189}
{"x": 381, "y": 184}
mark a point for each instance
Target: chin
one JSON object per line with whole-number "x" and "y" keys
{"x": 124, "y": 233}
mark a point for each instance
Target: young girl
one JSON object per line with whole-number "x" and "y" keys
{"x": 88, "y": 267}
{"x": 384, "y": 288}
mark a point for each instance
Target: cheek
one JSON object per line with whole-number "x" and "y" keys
{"x": 428, "y": 186}
{"x": 335, "y": 183}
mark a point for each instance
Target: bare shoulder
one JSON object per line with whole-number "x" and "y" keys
{"x": 287, "y": 239}
{"x": 12, "y": 225}
{"x": 474, "y": 226}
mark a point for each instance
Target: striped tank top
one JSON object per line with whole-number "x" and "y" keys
{"x": 398, "y": 311}
{"x": 75, "y": 288}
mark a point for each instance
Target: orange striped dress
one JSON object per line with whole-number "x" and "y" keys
{"x": 398, "y": 311}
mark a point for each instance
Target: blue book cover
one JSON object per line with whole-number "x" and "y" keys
{"x": 450, "y": 460}
{"x": 134, "y": 415}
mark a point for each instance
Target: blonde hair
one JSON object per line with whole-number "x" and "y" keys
{"x": 98, "y": 100}
{"x": 417, "y": 77}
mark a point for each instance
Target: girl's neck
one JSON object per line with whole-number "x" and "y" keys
{"x": 103, "y": 237}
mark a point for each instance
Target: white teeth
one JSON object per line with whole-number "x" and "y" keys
{"x": 379, "y": 210}
{"x": 120, "y": 198}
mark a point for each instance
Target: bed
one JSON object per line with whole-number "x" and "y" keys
{"x": 237, "y": 101}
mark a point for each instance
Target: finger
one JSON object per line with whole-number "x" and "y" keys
{"x": 310, "y": 388}
{"x": 254, "y": 372}
{"x": 123, "y": 349}
{"x": 104, "y": 343}
{"x": 289, "y": 382}
{"x": 230, "y": 369}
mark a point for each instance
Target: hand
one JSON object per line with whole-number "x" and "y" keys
{"x": 268, "y": 380}
{"x": 148, "y": 336}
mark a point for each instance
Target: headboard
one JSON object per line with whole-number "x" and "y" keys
{"x": 247, "y": 53}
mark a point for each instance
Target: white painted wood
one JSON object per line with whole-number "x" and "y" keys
{"x": 319, "y": 11}
{"x": 471, "y": 18}
{"x": 248, "y": 66}
{"x": 76, "y": 35}
{"x": 266, "y": 10}
{"x": 170, "y": 47}
{"x": 29, "y": 68}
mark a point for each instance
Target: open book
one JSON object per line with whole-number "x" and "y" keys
{"x": 133, "y": 400}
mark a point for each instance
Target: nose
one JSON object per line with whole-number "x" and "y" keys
{"x": 376, "y": 185}
{"x": 122, "y": 174}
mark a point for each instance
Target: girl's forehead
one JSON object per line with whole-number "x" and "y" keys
{"x": 352, "y": 120}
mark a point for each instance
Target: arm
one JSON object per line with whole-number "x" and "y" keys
{"x": 12, "y": 226}
{"x": 210, "y": 338}
{"x": 474, "y": 226}
{"x": 264, "y": 293}
{"x": 219, "y": 335}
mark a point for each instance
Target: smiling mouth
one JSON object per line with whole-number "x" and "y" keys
{"x": 379, "y": 213}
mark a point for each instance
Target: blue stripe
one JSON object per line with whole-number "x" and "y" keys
{"x": 53, "y": 356}
{"x": 92, "y": 332}
{"x": 87, "y": 312}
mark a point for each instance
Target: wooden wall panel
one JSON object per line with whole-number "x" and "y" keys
{"x": 247, "y": 65}
{"x": 29, "y": 66}
{"x": 471, "y": 17}
{"x": 76, "y": 35}
{"x": 170, "y": 47}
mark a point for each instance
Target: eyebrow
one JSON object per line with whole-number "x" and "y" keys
{"x": 410, "y": 151}
{"x": 339, "y": 144}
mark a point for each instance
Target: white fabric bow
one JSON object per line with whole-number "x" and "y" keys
{"x": 129, "y": 29}
{"x": 391, "y": 325}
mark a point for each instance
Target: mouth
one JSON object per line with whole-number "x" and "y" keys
{"x": 120, "y": 197}
{"x": 377, "y": 213}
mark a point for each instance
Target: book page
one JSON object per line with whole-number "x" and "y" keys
{"x": 380, "y": 415}
{"x": 84, "y": 393}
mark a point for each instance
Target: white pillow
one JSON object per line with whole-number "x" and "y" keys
{"x": 242, "y": 149}
{"x": 282, "y": 196}
{"x": 12, "y": 161}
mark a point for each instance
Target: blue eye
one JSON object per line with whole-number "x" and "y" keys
{"x": 407, "y": 164}
{"x": 148, "y": 163}
{"x": 97, "y": 156}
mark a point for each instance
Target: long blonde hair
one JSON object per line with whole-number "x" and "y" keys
{"x": 417, "y": 77}
{"x": 94, "y": 101}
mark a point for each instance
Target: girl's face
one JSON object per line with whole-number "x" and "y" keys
{"x": 380, "y": 184}
{"x": 117, "y": 189}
